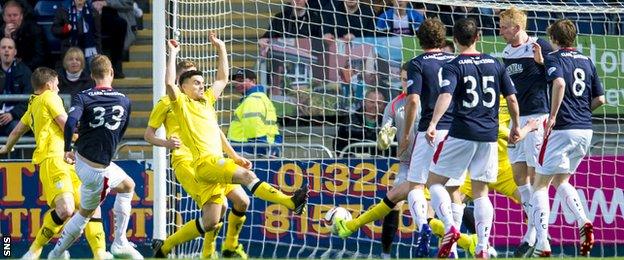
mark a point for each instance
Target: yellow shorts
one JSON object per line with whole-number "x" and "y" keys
{"x": 229, "y": 188}
{"x": 58, "y": 177}
{"x": 201, "y": 193}
{"x": 504, "y": 184}
{"x": 215, "y": 169}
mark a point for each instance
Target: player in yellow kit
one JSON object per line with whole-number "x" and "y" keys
{"x": 46, "y": 118}
{"x": 200, "y": 131}
{"x": 182, "y": 162}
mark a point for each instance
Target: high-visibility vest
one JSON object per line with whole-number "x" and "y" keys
{"x": 255, "y": 117}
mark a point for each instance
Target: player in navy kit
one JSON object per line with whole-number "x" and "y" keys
{"x": 473, "y": 81}
{"x": 524, "y": 61}
{"x": 576, "y": 92}
{"x": 103, "y": 114}
{"x": 422, "y": 88}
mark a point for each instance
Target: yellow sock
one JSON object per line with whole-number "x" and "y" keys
{"x": 377, "y": 212}
{"x": 437, "y": 227}
{"x": 464, "y": 241}
{"x": 266, "y": 192}
{"x": 94, "y": 232}
{"x": 235, "y": 225}
{"x": 210, "y": 242}
{"x": 189, "y": 231}
{"x": 52, "y": 224}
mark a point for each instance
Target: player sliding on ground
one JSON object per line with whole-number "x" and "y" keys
{"x": 576, "y": 92}
{"x": 46, "y": 117}
{"x": 200, "y": 131}
{"x": 201, "y": 193}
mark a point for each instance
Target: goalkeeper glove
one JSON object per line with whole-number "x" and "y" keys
{"x": 385, "y": 136}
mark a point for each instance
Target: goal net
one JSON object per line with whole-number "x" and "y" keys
{"x": 320, "y": 84}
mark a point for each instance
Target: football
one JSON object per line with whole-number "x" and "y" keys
{"x": 336, "y": 213}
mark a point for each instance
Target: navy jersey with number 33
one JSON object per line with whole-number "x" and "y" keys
{"x": 103, "y": 114}
{"x": 476, "y": 82}
{"x": 581, "y": 86}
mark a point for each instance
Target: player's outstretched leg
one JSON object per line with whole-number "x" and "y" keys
{"x": 377, "y": 212}
{"x": 441, "y": 203}
{"x": 540, "y": 215}
{"x": 190, "y": 230}
{"x": 297, "y": 202}
{"x": 573, "y": 202}
{"x": 53, "y": 222}
{"x": 346, "y": 228}
{"x": 210, "y": 243}
{"x": 418, "y": 209}
{"x": 236, "y": 218}
{"x": 121, "y": 210}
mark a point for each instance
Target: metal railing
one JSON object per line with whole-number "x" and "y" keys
{"x": 294, "y": 148}
{"x": 19, "y": 97}
{"x": 368, "y": 145}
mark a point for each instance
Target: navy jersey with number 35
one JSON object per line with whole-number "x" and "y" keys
{"x": 103, "y": 114}
{"x": 476, "y": 82}
{"x": 581, "y": 86}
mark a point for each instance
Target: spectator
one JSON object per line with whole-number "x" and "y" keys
{"x": 350, "y": 19}
{"x": 364, "y": 124}
{"x": 295, "y": 21}
{"x": 28, "y": 36}
{"x": 76, "y": 27}
{"x": 14, "y": 79}
{"x": 401, "y": 19}
{"x": 255, "y": 119}
{"x": 73, "y": 77}
{"x": 485, "y": 18}
{"x": 125, "y": 10}
{"x": 113, "y": 34}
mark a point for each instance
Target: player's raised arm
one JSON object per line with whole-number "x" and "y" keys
{"x": 13, "y": 137}
{"x": 223, "y": 66}
{"x": 170, "y": 76}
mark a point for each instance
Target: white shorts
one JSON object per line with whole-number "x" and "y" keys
{"x": 528, "y": 148}
{"x": 422, "y": 155}
{"x": 454, "y": 156}
{"x": 96, "y": 182}
{"x": 563, "y": 151}
{"x": 401, "y": 176}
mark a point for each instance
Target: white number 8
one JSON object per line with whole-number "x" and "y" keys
{"x": 578, "y": 87}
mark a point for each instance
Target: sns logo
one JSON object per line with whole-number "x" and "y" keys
{"x": 6, "y": 246}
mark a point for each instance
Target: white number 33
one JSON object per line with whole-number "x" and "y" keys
{"x": 99, "y": 120}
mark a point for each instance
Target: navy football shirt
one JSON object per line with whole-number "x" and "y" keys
{"x": 423, "y": 75}
{"x": 103, "y": 114}
{"x": 528, "y": 76}
{"x": 475, "y": 81}
{"x": 581, "y": 86}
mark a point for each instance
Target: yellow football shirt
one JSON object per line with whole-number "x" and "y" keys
{"x": 503, "y": 131}
{"x": 199, "y": 129}
{"x": 162, "y": 114}
{"x": 42, "y": 109}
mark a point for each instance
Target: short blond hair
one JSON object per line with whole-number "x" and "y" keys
{"x": 101, "y": 67}
{"x": 74, "y": 52}
{"x": 515, "y": 16}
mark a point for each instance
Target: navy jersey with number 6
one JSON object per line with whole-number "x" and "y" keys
{"x": 423, "y": 75}
{"x": 475, "y": 81}
{"x": 581, "y": 86}
{"x": 103, "y": 114}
